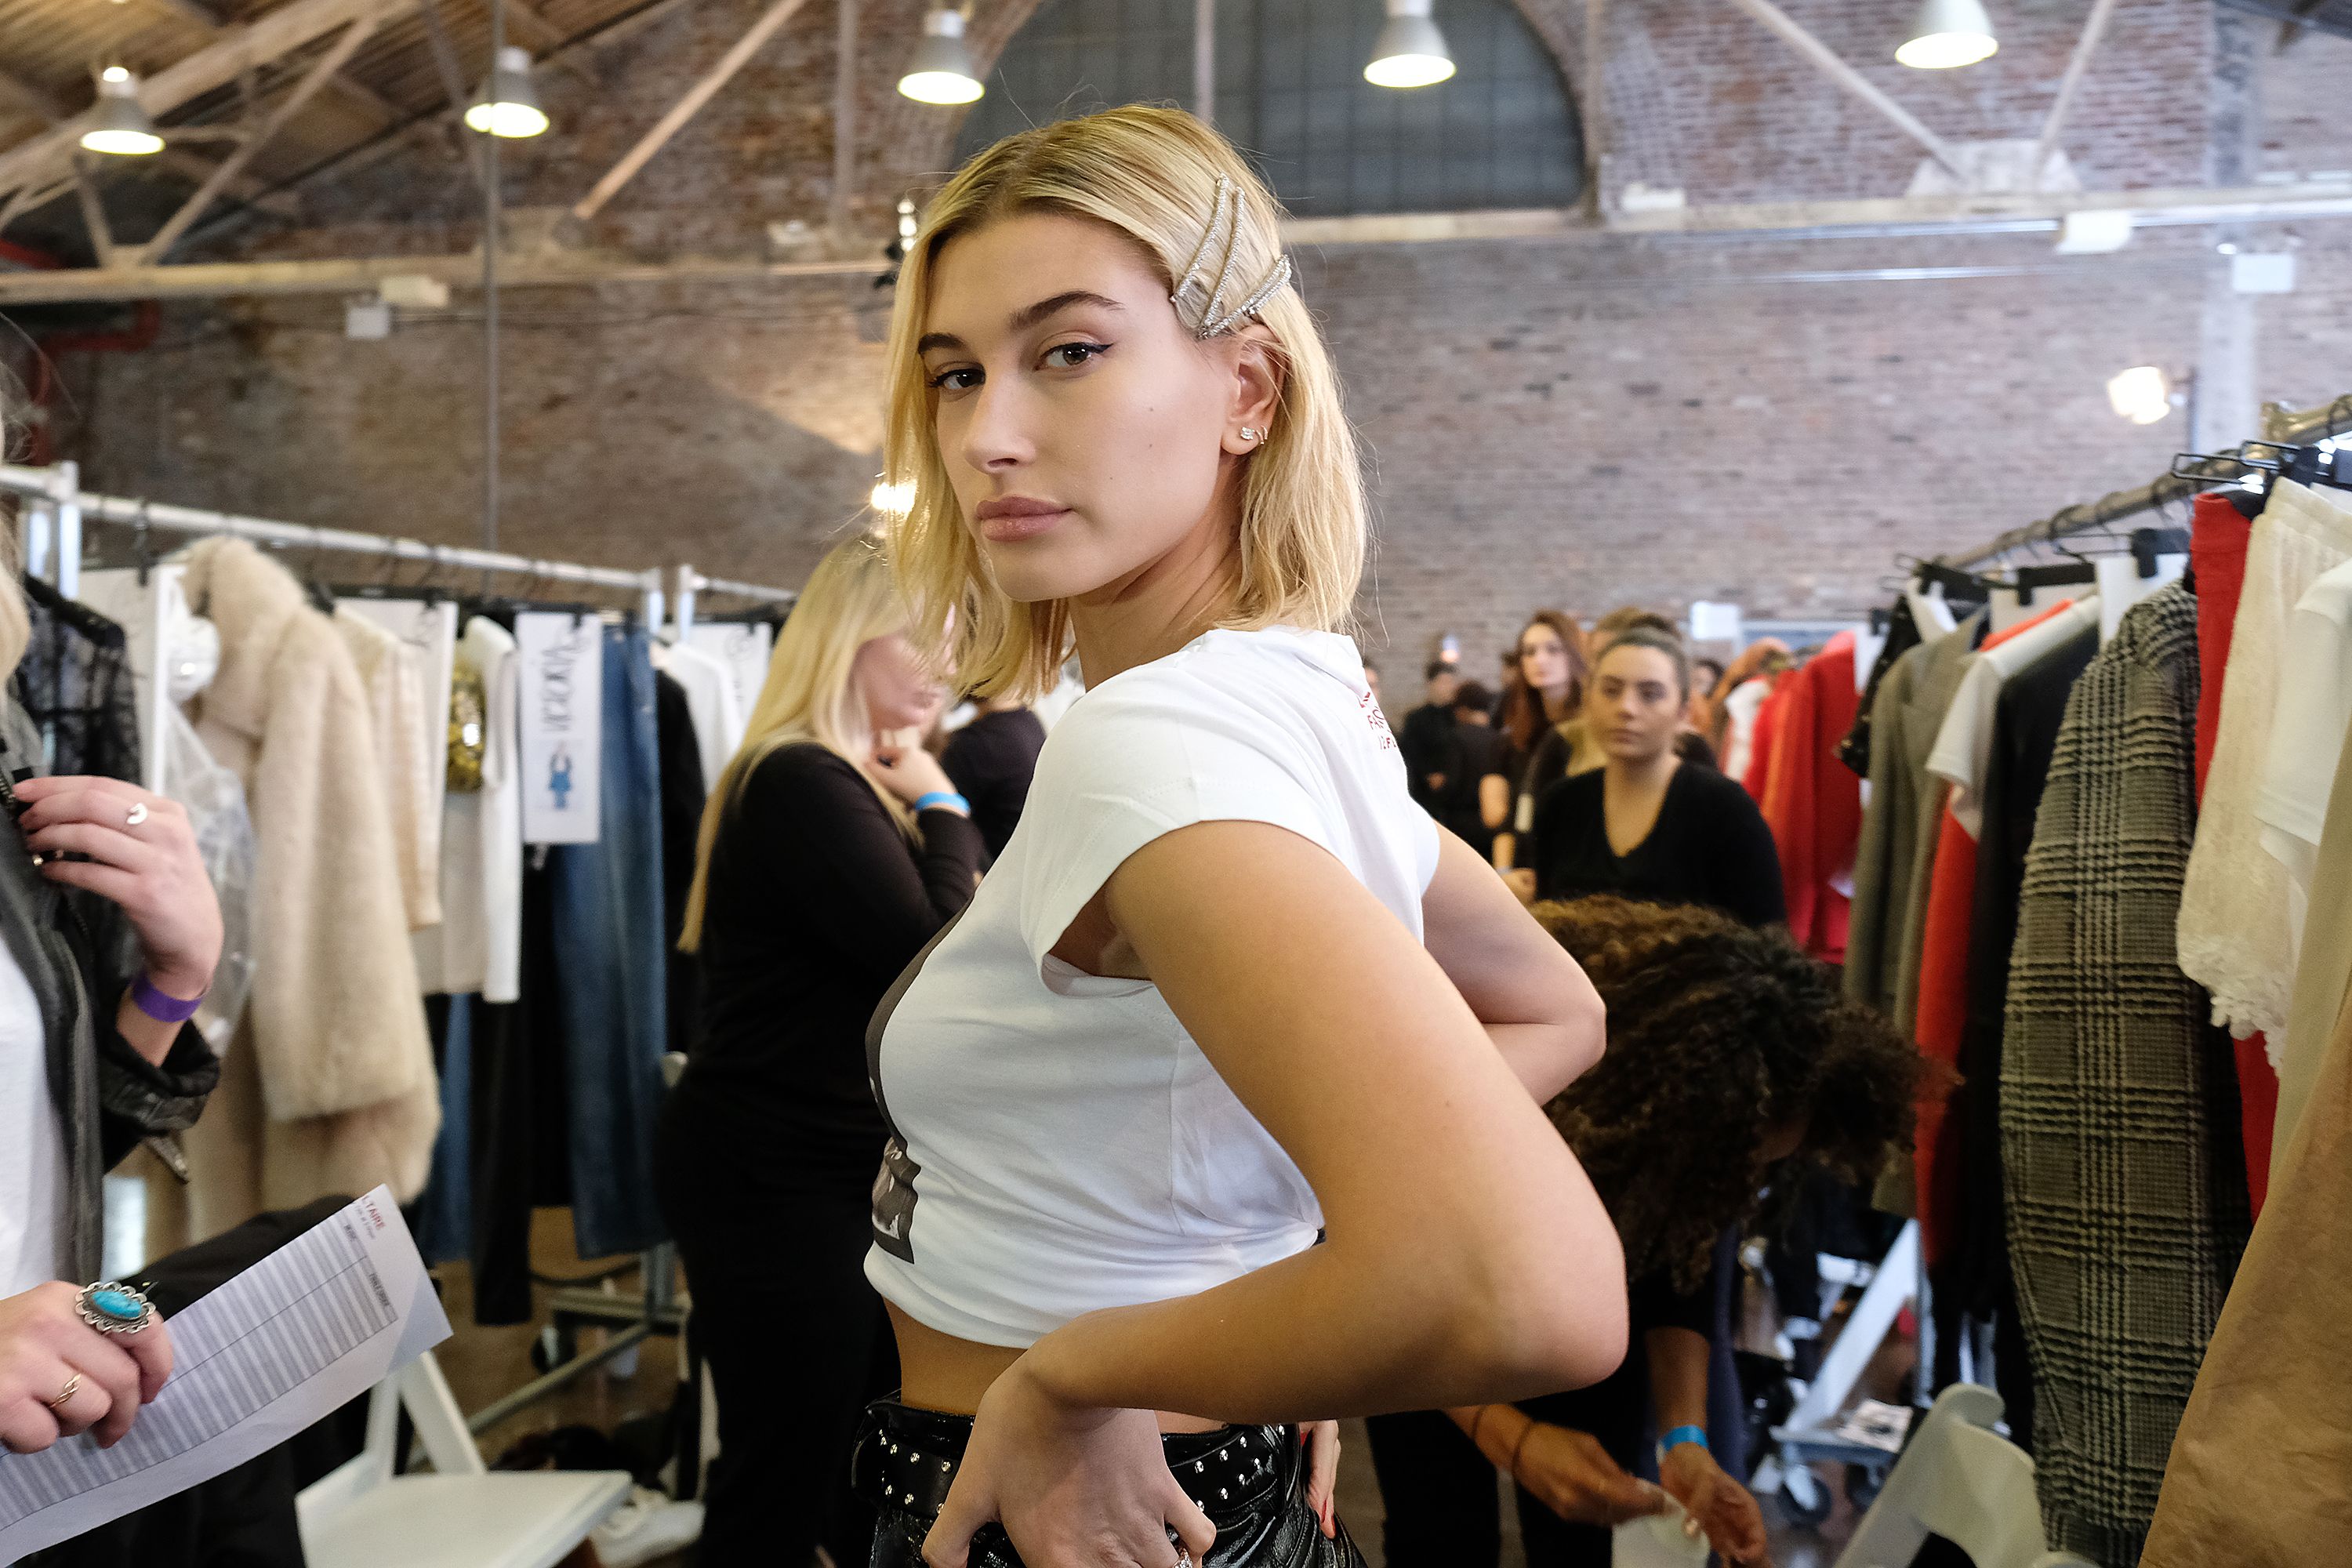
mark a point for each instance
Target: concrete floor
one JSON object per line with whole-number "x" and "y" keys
{"x": 484, "y": 1363}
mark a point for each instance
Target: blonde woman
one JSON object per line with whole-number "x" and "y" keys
{"x": 103, "y": 958}
{"x": 830, "y": 854}
{"x": 1227, "y": 988}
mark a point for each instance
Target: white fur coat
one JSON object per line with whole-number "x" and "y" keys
{"x": 329, "y": 1085}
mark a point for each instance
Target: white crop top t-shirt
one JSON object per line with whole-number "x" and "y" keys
{"x": 1059, "y": 1145}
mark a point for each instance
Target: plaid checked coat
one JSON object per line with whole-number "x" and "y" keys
{"x": 2119, "y": 1110}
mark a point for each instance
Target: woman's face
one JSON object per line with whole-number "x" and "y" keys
{"x": 1543, "y": 660}
{"x": 901, "y": 689}
{"x": 1085, "y": 431}
{"x": 1636, "y": 703}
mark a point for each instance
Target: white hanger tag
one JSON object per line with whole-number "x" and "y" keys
{"x": 562, "y": 657}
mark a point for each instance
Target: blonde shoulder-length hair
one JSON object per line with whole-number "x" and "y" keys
{"x": 1151, "y": 174}
{"x": 808, "y": 698}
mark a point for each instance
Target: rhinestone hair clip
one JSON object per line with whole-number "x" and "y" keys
{"x": 1201, "y": 306}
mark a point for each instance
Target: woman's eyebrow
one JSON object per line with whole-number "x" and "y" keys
{"x": 1023, "y": 319}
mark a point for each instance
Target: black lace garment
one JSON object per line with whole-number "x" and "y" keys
{"x": 75, "y": 681}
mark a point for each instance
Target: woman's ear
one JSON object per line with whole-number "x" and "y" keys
{"x": 1257, "y": 389}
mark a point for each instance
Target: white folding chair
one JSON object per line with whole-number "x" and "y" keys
{"x": 1962, "y": 1480}
{"x": 463, "y": 1515}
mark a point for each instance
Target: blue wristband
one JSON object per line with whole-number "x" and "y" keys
{"x": 1681, "y": 1435}
{"x": 946, "y": 797}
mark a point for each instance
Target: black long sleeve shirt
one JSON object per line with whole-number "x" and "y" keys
{"x": 1709, "y": 847}
{"x": 816, "y": 900}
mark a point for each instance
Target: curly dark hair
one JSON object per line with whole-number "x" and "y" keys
{"x": 1718, "y": 1033}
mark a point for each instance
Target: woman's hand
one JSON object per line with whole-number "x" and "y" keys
{"x": 1322, "y": 1441}
{"x": 45, "y": 1346}
{"x": 1717, "y": 1504}
{"x": 909, "y": 772}
{"x": 1572, "y": 1475}
{"x": 150, "y": 867}
{"x": 1073, "y": 1487}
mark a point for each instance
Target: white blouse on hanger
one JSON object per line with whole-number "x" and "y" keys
{"x": 2236, "y": 934}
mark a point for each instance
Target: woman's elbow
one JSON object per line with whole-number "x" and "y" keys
{"x": 1584, "y": 1031}
{"x": 1573, "y": 1332}
{"x": 1556, "y": 1323}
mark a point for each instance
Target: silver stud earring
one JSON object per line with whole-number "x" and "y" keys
{"x": 1250, "y": 434}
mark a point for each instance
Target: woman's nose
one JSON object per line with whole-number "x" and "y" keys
{"x": 995, "y": 439}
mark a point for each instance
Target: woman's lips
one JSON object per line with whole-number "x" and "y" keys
{"x": 1016, "y": 527}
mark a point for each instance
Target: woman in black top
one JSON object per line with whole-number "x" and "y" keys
{"x": 829, "y": 856}
{"x": 1647, "y": 825}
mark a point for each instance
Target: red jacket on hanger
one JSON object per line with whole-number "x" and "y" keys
{"x": 1811, "y": 801}
{"x": 1766, "y": 731}
{"x": 2217, "y": 552}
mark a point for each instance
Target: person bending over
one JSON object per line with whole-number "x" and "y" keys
{"x": 1735, "y": 1068}
{"x": 1228, "y": 987}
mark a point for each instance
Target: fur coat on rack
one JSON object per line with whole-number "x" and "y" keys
{"x": 328, "y": 1086}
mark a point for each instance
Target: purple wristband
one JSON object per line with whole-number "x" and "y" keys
{"x": 161, "y": 1007}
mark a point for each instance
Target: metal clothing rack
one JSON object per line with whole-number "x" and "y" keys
{"x": 691, "y": 584}
{"x": 59, "y": 508}
{"x": 2280, "y": 426}
{"x": 56, "y": 510}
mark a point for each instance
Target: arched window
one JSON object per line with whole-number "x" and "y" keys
{"x": 1292, "y": 95}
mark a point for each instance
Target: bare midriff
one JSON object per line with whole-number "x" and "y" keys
{"x": 940, "y": 1372}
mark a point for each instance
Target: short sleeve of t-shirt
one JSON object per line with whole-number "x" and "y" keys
{"x": 1154, "y": 754}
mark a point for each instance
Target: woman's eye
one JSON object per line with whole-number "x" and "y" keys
{"x": 1079, "y": 354}
{"x": 956, "y": 380}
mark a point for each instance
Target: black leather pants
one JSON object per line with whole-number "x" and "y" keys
{"x": 1250, "y": 1480}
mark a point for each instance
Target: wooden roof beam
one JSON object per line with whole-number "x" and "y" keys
{"x": 51, "y": 110}
{"x": 199, "y": 15}
{"x": 240, "y": 47}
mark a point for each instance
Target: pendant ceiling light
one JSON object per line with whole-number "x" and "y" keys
{"x": 124, "y": 127}
{"x": 1948, "y": 34}
{"x": 508, "y": 104}
{"x": 1411, "y": 51}
{"x": 941, "y": 71}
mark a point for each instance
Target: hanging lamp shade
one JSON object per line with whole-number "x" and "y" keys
{"x": 1411, "y": 51}
{"x": 508, "y": 104}
{"x": 941, "y": 71}
{"x": 124, "y": 127}
{"x": 1947, "y": 34}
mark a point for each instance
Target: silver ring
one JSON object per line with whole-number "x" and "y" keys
{"x": 65, "y": 1395}
{"x": 138, "y": 815}
{"x": 112, "y": 1308}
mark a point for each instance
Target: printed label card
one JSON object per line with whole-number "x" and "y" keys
{"x": 561, "y": 657}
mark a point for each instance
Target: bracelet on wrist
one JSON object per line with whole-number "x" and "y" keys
{"x": 160, "y": 1005}
{"x": 1512, "y": 1469}
{"x": 1680, "y": 1436}
{"x": 946, "y": 799}
{"x": 1476, "y": 1421}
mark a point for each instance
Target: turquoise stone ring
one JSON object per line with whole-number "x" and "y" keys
{"x": 114, "y": 1309}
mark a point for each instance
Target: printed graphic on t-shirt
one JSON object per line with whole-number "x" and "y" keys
{"x": 894, "y": 1202}
{"x": 1379, "y": 721}
{"x": 894, "y": 1185}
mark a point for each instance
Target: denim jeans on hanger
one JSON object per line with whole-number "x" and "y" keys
{"x": 444, "y": 1218}
{"x": 611, "y": 960}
